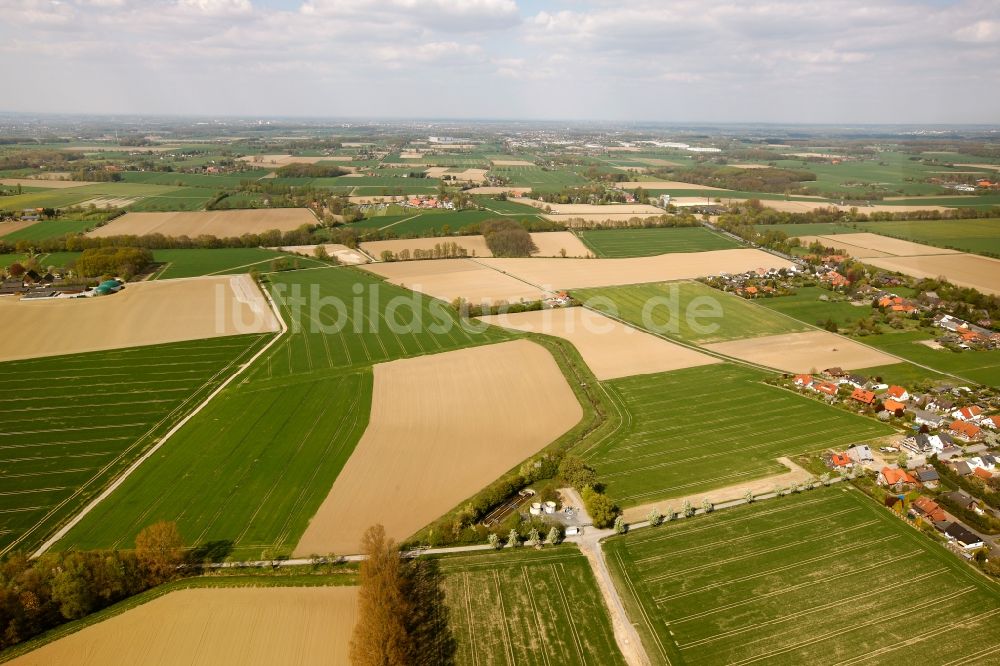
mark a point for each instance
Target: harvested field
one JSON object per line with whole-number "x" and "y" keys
{"x": 804, "y": 352}
{"x": 580, "y": 273}
{"x": 512, "y": 163}
{"x": 44, "y": 182}
{"x": 655, "y": 161}
{"x": 590, "y": 209}
{"x": 516, "y": 191}
{"x": 277, "y": 161}
{"x": 441, "y": 429}
{"x": 344, "y": 254}
{"x": 218, "y": 223}
{"x": 449, "y": 279}
{"x": 144, "y": 313}
{"x": 578, "y": 220}
{"x": 549, "y": 245}
{"x": 981, "y": 166}
{"x": 609, "y": 348}
{"x": 805, "y": 580}
{"x": 855, "y": 251}
{"x": 883, "y": 245}
{"x": 239, "y": 625}
{"x": 807, "y": 206}
{"x": 663, "y": 185}
{"x": 964, "y": 270}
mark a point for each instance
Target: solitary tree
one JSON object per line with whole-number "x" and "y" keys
{"x": 620, "y": 526}
{"x": 159, "y": 550}
{"x": 654, "y": 517}
{"x": 554, "y": 535}
{"x": 494, "y": 541}
{"x": 513, "y": 539}
{"x": 748, "y": 496}
{"x": 688, "y": 509}
{"x": 380, "y": 634}
{"x": 707, "y": 506}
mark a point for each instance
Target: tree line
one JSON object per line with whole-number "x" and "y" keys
{"x": 39, "y": 594}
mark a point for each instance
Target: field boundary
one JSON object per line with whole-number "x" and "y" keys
{"x": 116, "y": 483}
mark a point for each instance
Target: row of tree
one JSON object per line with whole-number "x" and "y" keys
{"x": 39, "y": 594}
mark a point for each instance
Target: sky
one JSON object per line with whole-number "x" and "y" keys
{"x": 781, "y": 61}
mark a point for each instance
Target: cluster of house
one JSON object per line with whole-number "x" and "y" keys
{"x": 982, "y": 183}
{"x": 756, "y": 283}
{"x": 935, "y": 411}
{"x": 427, "y": 202}
{"x": 965, "y": 334}
{"x": 32, "y": 286}
{"x": 929, "y": 510}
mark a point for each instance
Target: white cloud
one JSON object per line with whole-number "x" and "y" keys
{"x": 216, "y": 7}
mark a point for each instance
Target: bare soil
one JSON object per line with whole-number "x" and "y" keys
{"x": 218, "y": 223}
{"x": 812, "y": 351}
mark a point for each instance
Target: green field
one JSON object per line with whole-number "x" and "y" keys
{"x": 979, "y": 236}
{"x": 364, "y": 335}
{"x": 649, "y": 242}
{"x": 185, "y": 198}
{"x": 49, "y": 229}
{"x": 71, "y": 196}
{"x": 79, "y": 420}
{"x": 806, "y": 306}
{"x": 527, "y": 607}
{"x": 692, "y": 430}
{"x": 249, "y": 471}
{"x": 729, "y": 317}
{"x": 538, "y": 179}
{"x": 424, "y": 222}
{"x": 977, "y": 366}
{"x": 209, "y": 181}
{"x": 192, "y": 263}
{"x": 507, "y": 207}
{"x": 825, "y": 577}
{"x": 889, "y": 173}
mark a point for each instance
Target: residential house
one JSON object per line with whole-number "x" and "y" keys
{"x": 893, "y": 407}
{"x": 898, "y": 393}
{"x": 919, "y": 443}
{"x": 841, "y": 460}
{"x": 928, "y": 476}
{"x": 803, "y": 380}
{"x": 986, "y": 462}
{"x": 925, "y": 417}
{"x": 863, "y": 396}
{"x": 928, "y": 508}
{"x": 991, "y": 422}
{"x": 966, "y": 539}
{"x": 897, "y": 479}
{"x": 981, "y": 473}
{"x": 962, "y": 468}
{"x": 963, "y": 499}
{"x": 834, "y": 372}
{"x": 970, "y": 413}
{"x": 857, "y": 381}
{"x": 965, "y": 430}
{"x": 860, "y": 454}
{"x": 827, "y": 388}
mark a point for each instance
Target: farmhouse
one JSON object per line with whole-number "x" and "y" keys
{"x": 803, "y": 380}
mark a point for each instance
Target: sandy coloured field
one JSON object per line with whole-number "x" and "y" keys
{"x": 449, "y": 279}
{"x": 655, "y": 161}
{"x": 981, "y": 166}
{"x": 581, "y": 273}
{"x": 512, "y": 163}
{"x": 750, "y": 166}
{"x": 807, "y": 206}
{"x": 549, "y": 245}
{"x": 44, "y": 182}
{"x": 804, "y": 352}
{"x": 122, "y": 149}
{"x": 219, "y": 223}
{"x": 277, "y": 161}
{"x": 855, "y": 251}
{"x": 964, "y": 270}
{"x": 245, "y": 626}
{"x": 516, "y": 191}
{"x": 144, "y": 313}
{"x": 343, "y": 253}
{"x": 109, "y": 202}
{"x": 880, "y": 245}
{"x": 591, "y": 209}
{"x": 609, "y": 348}
{"x": 826, "y": 156}
{"x": 442, "y": 427}
{"x": 11, "y": 227}
{"x": 662, "y": 185}
{"x": 585, "y": 220}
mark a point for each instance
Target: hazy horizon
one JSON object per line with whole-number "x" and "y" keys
{"x": 839, "y": 62}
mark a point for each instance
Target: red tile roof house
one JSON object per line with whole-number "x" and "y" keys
{"x": 982, "y": 474}
{"x": 991, "y": 422}
{"x": 892, "y": 406}
{"x": 895, "y": 478}
{"x": 928, "y": 508}
{"x": 829, "y": 388}
{"x": 965, "y": 430}
{"x": 863, "y": 396}
{"x": 967, "y": 413}
{"x": 803, "y": 380}
{"x": 841, "y": 460}
{"x": 898, "y": 393}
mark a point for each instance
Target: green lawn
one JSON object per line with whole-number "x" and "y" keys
{"x": 977, "y": 366}
{"x": 977, "y": 236}
{"x": 824, "y": 577}
{"x": 250, "y": 470}
{"x": 192, "y": 263}
{"x": 805, "y": 305}
{"x": 700, "y": 428}
{"x": 715, "y": 316}
{"x": 649, "y": 242}
{"x": 78, "y": 420}
{"x": 527, "y": 607}
{"x": 361, "y": 333}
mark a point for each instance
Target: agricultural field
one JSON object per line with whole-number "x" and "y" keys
{"x": 252, "y": 625}
{"x": 60, "y": 198}
{"x": 649, "y": 242}
{"x": 976, "y": 236}
{"x": 247, "y": 473}
{"x": 419, "y": 222}
{"x": 507, "y": 207}
{"x": 448, "y": 279}
{"x": 811, "y": 578}
{"x": 193, "y": 263}
{"x": 806, "y": 306}
{"x": 661, "y": 453}
{"x": 365, "y": 335}
{"x": 527, "y": 607}
{"x": 49, "y": 229}
{"x": 982, "y": 367}
{"x": 891, "y": 173}
{"x": 727, "y": 317}
{"x": 537, "y": 178}
{"x": 809, "y": 229}
{"x": 81, "y": 419}
{"x": 218, "y": 223}
{"x": 185, "y": 198}
{"x": 213, "y": 183}
{"x": 807, "y": 352}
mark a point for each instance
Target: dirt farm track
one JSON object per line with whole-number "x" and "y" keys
{"x": 218, "y": 223}
{"x": 144, "y": 313}
{"x": 252, "y": 626}
{"x": 423, "y": 451}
